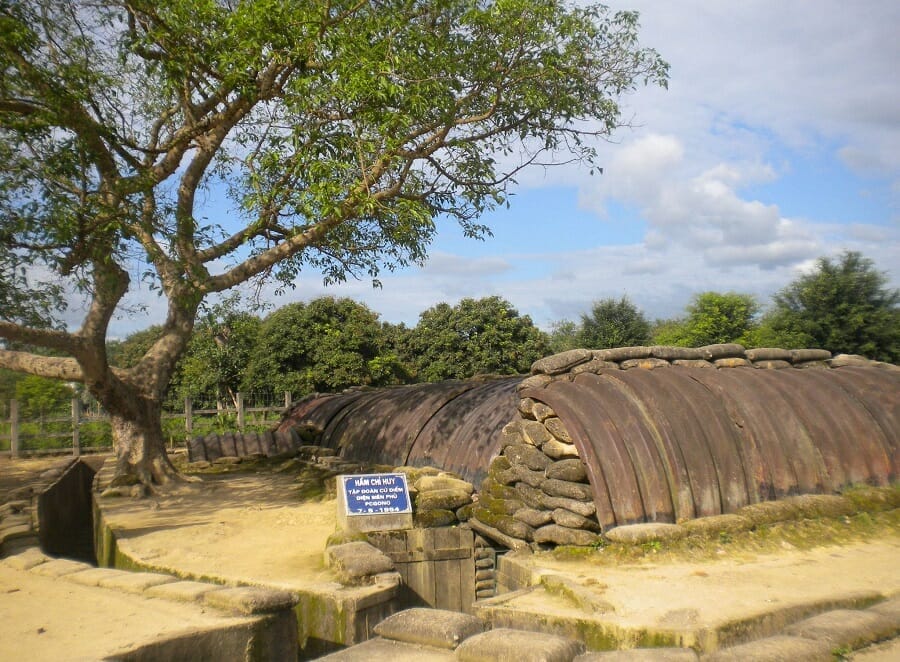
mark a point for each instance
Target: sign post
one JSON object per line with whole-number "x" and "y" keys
{"x": 374, "y": 502}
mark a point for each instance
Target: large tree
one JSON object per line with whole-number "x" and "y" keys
{"x": 195, "y": 145}
{"x": 843, "y": 305}
{"x": 476, "y": 336}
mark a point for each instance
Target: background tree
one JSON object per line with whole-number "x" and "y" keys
{"x": 844, "y": 305}
{"x": 329, "y": 135}
{"x": 128, "y": 353}
{"x": 712, "y": 317}
{"x": 476, "y": 336}
{"x": 324, "y": 346}
{"x": 563, "y": 336}
{"x": 220, "y": 349}
{"x": 39, "y": 397}
{"x": 613, "y": 323}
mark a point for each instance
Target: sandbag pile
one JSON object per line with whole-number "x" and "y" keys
{"x": 537, "y": 489}
{"x": 726, "y": 355}
{"x": 440, "y": 498}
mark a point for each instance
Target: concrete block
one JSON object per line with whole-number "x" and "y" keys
{"x": 774, "y": 649}
{"x": 889, "y": 609}
{"x": 395, "y": 651}
{"x": 635, "y": 534}
{"x": 16, "y": 520}
{"x": 641, "y": 655}
{"x": 60, "y": 568}
{"x": 430, "y": 627}
{"x": 505, "y": 645}
{"x": 22, "y": 530}
{"x": 181, "y": 591}
{"x": 357, "y": 562}
{"x": 26, "y": 559}
{"x": 250, "y": 600}
{"x": 136, "y": 582}
{"x": 93, "y": 576}
{"x": 846, "y": 628}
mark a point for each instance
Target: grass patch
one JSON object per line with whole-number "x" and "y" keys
{"x": 802, "y": 534}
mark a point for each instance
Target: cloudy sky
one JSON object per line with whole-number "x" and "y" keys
{"x": 778, "y": 141}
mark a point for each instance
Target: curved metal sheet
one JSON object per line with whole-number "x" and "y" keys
{"x": 463, "y": 435}
{"x": 882, "y": 404}
{"x": 638, "y": 443}
{"x": 602, "y": 448}
{"x": 724, "y": 438}
{"x": 318, "y": 410}
{"x": 768, "y": 469}
{"x": 454, "y": 424}
{"x": 712, "y": 425}
{"x": 812, "y": 407}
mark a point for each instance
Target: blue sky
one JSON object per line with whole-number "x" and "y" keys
{"x": 777, "y": 142}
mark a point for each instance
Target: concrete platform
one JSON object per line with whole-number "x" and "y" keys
{"x": 705, "y": 606}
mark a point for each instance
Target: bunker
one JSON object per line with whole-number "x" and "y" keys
{"x": 664, "y": 434}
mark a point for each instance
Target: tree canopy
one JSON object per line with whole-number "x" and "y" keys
{"x": 476, "y": 336}
{"x": 712, "y": 317}
{"x": 326, "y": 345}
{"x": 613, "y": 323}
{"x": 843, "y": 305}
{"x": 195, "y": 145}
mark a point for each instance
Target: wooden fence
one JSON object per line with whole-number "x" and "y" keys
{"x": 71, "y": 429}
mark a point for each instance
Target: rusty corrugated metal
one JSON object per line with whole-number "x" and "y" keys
{"x": 454, "y": 425}
{"x": 383, "y": 428}
{"x": 463, "y": 435}
{"x": 319, "y": 410}
{"x": 663, "y": 445}
{"x": 676, "y": 443}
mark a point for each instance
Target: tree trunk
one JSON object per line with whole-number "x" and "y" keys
{"x": 140, "y": 447}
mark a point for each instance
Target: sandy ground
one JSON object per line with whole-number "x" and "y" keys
{"x": 19, "y": 472}
{"x": 236, "y": 529}
{"x": 686, "y": 594}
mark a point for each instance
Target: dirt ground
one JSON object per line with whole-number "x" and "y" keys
{"x": 254, "y": 528}
{"x": 17, "y": 473}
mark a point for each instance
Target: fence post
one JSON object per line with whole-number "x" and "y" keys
{"x": 188, "y": 419}
{"x": 76, "y": 421}
{"x": 287, "y": 399}
{"x": 240, "y": 411}
{"x": 14, "y": 428}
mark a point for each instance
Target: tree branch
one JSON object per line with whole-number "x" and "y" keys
{"x": 52, "y": 367}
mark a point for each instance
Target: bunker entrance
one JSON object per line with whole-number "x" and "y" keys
{"x": 66, "y": 519}
{"x": 445, "y": 568}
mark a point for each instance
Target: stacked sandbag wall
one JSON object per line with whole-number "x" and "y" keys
{"x": 537, "y": 489}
